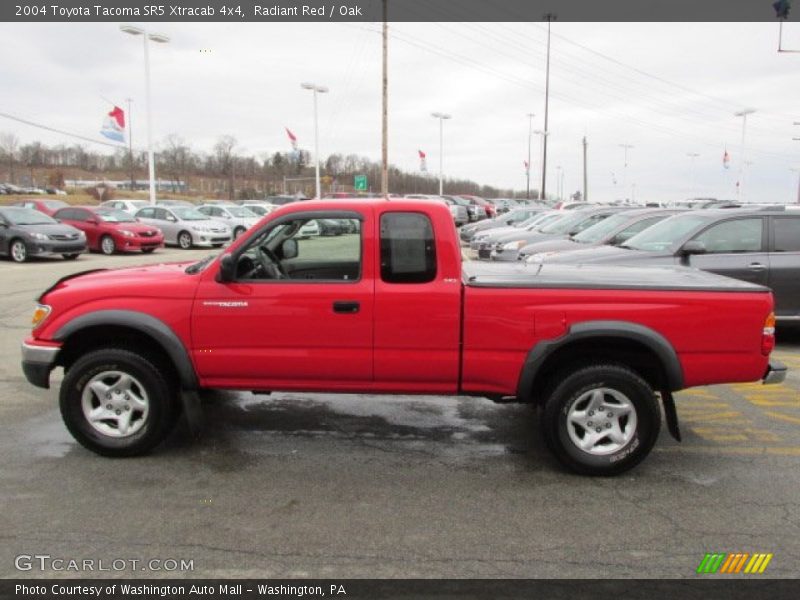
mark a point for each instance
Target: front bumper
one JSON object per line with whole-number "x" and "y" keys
{"x": 37, "y": 362}
{"x": 210, "y": 239}
{"x": 127, "y": 244}
{"x": 55, "y": 247}
{"x": 776, "y": 373}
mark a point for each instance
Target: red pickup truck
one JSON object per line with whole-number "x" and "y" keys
{"x": 386, "y": 306}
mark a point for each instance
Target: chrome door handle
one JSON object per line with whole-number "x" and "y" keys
{"x": 757, "y": 267}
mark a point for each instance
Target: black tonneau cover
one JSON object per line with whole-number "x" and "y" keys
{"x": 600, "y": 277}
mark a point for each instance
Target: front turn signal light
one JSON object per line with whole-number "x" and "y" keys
{"x": 39, "y": 315}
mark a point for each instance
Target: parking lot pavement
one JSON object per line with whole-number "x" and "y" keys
{"x": 312, "y": 485}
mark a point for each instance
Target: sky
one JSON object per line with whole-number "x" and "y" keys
{"x": 666, "y": 89}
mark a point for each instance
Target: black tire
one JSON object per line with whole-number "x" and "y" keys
{"x": 611, "y": 382}
{"x": 147, "y": 250}
{"x": 70, "y": 256}
{"x": 18, "y": 251}
{"x": 107, "y": 245}
{"x": 185, "y": 240}
{"x": 238, "y": 231}
{"x": 163, "y": 405}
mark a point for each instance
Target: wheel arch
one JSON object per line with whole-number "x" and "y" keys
{"x": 130, "y": 329}
{"x": 639, "y": 347}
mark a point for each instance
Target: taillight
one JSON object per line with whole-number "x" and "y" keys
{"x": 768, "y": 335}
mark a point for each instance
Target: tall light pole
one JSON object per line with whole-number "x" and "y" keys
{"x": 317, "y": 89}
{"x": 130, "y": 144}
{"x": 625, "y": 147}
{"x": 559, "y": 180}
{"x": 541, "y": 151}
{"x": 528, "y": 170}
{"x": 692, "y": 156}
{"x": 385, "y": 107}
{"x": 159, "y": 39}
{"x": 549, "y": 17}
{"x": 743, "y": 113}
{"x": 797, "y": 170}
{"x": 442, "y": 118}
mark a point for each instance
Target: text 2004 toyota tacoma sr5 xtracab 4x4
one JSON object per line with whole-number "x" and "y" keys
{"x": 377, "y": 301}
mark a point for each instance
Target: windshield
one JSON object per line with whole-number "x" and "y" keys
{"x": 186, "y": 213}
{"x": 603, "y": 229}
{"x": 111, "y": 215}
{"x": 663, "y": 235}
{"x": 563, "y": 224}
{"x": 541, "y": 220}
{"x": 258, "y": 210}
{"x": 239, "y": 212}
{"x": 26, "y": 216}
{"x": 54, "y": 204}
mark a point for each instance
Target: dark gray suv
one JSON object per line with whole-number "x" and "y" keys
{"x": 761, "y": 246}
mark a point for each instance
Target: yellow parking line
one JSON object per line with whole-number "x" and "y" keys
{"x": 711, "y": 416}
{"x": 734, "y": 450}
{"x": 782, "y": 417}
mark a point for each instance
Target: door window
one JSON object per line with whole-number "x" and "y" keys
{"x": 787, "y": 234}
{"x": 305, "y": 249}
{"x": 147, "y": 213}
{"x": 740, "y": 235}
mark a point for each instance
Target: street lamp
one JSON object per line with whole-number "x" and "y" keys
{"x": 317, "y": 89}
{"x": 692, "y": 156}
{"x": 159, "y": 39}
{"x": 528, "y": 170}
{"x": 743, "y": 113}
{"x": 442, "y": 118}
{"x": 544, "y": 135}
{"x": 625, "y": 147}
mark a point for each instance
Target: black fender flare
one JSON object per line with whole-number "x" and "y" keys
{"x": 144, "y": 323}
{"x": 625, "y": 330}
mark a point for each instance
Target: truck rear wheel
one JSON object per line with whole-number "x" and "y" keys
{"x": 601, "y": 419}
{"x": 117, "y": 403}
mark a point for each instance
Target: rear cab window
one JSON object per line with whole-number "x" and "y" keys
{"x": 408, "y": 248}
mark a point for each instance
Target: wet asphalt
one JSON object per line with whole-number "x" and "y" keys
{"x": 338, "y": 486}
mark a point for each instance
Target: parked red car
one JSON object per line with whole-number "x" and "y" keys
{"x": 109, "y": 230}
{"x": 491, "y": 209}
{"x": 46, "y": 205}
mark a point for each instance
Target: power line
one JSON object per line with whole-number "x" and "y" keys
{"x": 60, "y": 131}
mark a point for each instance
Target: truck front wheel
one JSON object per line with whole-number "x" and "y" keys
{"x": 117, "y": 403}
{"x": 601, "y": 419}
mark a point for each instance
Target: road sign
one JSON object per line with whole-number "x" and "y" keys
{"x": 360, "y": 183}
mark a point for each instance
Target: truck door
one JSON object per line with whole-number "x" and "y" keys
{"x": 298, "y": 314}
{"x": 417, "y": 306}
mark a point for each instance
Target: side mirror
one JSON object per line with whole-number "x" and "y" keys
{"x": 172, "y": 219}
{"x": 289, "y": 249}
{"x": 693, "y": 247}
{"x": 91, "y": 221}
{"x": 227, "y": 269}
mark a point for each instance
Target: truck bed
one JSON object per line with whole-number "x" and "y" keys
{"x": 600, "y": 277}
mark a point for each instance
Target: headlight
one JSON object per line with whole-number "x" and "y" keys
{"x": 81, "y": 235}
{"x": 539, "y": 257}
{"x": 37, "y": 236}
{"x": 127, "y": 233}
{"x": 199, "y": 227}
{"x": 515, "y": 245}
{"x": 39, "y": 315}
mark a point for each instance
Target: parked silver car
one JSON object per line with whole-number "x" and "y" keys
{"x": 239, "y": 219}
{"x": 185, "y": 226}
{"x": 130, "y": 206}
{"x": 459, "y": 212}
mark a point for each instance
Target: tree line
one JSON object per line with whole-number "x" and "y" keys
{"x": 224, "y": 172}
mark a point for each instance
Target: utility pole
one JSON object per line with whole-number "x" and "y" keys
{"x": 743, "y": 113}
{"x": 528, "y": 170}
{"x": 585, "y": 171}
{"x": 549, "y": 17}
{"x": 385, "y": 115}
{"x": 798, "y": 183}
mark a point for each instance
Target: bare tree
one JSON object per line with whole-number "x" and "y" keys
{"x": 9, "y": 144}
{"x": 223, "y": 151}
{"x": 176, "y": 159}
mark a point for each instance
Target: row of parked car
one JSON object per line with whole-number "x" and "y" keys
{"x": 51, "y": 227}
{"x": 10, "y": 188}
{"x": 760, "y": 244}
